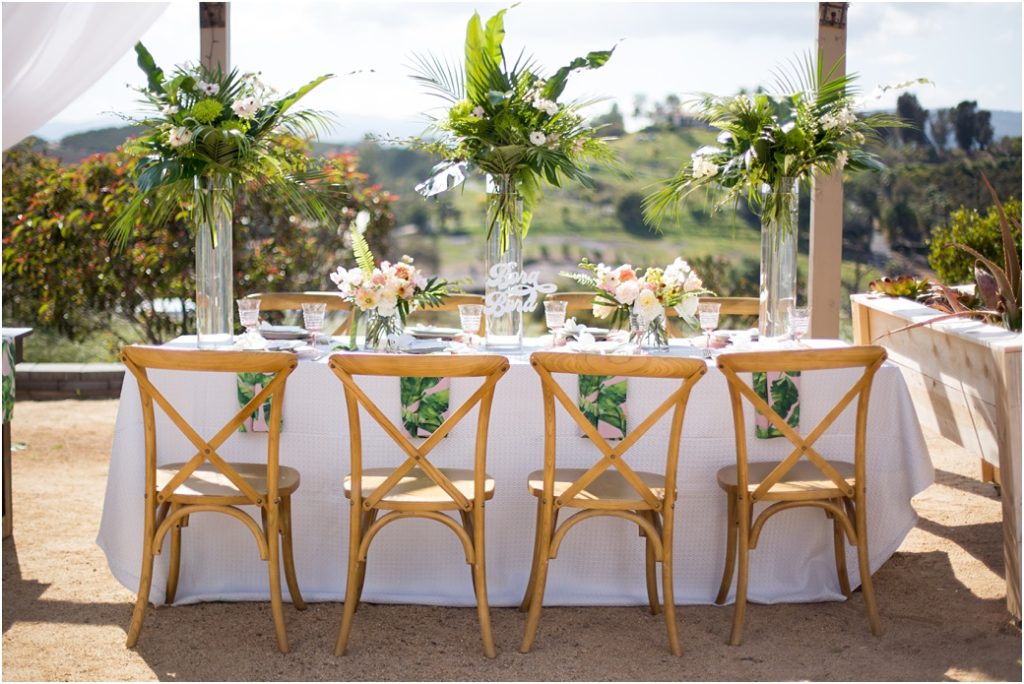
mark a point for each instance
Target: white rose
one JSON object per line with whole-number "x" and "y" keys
{"x": 538, "y": 138}
{"x": 178, "y": 137}
{"x": 647, "y": 307}
{"x": 627, "y": 292}
{"x": 245, "y": 107}
{"x": 688, "y": 307}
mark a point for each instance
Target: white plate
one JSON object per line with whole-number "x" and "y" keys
{"x": 283, "y": 332}
{"x": 423, "y": 347}
{"x": 428, "y": 332}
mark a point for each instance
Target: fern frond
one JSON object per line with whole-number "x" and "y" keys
{"x": 362, "y": 253}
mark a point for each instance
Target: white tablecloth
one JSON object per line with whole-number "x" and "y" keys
{"x": 419, "y": 561}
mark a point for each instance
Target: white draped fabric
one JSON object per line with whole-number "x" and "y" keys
{"x": 54, "y": 51}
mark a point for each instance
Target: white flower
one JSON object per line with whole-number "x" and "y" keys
{"x": 478, "y": 112}
{"x": 362, "y": 221}
{"x": 647, "y": 307}
{"x": 387, "y": 305}
{"x": 208, "y": 88}
{"x": 688, "y": 307}
{"x": 169, "y": 110}
{"x": 538, "y": 138}
{"x": 841, "y": 159}
{"x": 692, "y": 282}
{"x": 245, "y": 107}
{"x": 703, "y": 167}
{"x": 177, "y": 137}
{"x": 627, "y": 292}
{"x": 549, "y": 107}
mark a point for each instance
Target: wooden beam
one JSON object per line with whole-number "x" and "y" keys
{"x": 214, "y": 35}
{"x": 824, "y": 278}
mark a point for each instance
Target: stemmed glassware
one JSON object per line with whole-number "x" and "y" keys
{"x": 799, "y": 318}
{"x": 469, "y": 319}
{"x": 249, "y": 314}
{"x": 708, "y": 314}
{"x": 554, "y": 315}
{"x": 313, "y": 319}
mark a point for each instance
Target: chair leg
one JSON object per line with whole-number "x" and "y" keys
{"x": 467, "y": 524}
{"x": 368, "y": 519}
{"x": 743, "y": 550}
{"x": 540, "y": 575}
{"x": 652, "y": 572}
{"x": 480, "y": 582}
{"x": 145, "y": 582}
{"x": 274, "y": 572}
{"x": 287, "y": 555}
{"x": 730, "y": 546}
{"x": 867, "y": 588}
{"x": 667, "y": 588}
{"x": 525, "y": 605}
{"x": 175, "y": 562}
{"x": 352, "y": 581}
{"x": 839, "y": 541}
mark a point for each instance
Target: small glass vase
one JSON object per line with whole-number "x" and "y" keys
{"x": 779, "y": 221}
{"x": 503, "y": 308}
{"x": 650, "y": 337}
{"x": 382, "y": 332}
{"x": 212, "y": 222}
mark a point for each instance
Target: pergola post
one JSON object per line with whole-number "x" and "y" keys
{"x": 214, "y": 35}
{"x": 824, "y": 277}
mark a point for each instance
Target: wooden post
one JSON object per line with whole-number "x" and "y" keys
{"x": 214, "y": 35}
{"x": 826, "y": 250}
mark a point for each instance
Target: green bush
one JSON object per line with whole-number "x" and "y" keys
{"x": 968, "y": 226}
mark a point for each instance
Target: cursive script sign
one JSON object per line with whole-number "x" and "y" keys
{"x": 509, "y": 289}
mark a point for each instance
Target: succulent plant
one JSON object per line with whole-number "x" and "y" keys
{"x": 902, "y": 286}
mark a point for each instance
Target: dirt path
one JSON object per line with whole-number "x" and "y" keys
{"x": 941, "y": 598}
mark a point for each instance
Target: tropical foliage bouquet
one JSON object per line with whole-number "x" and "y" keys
{"x": 388, "y": 292}
{"x": 764, "y": 139}
{"x": 639, "y": 297}
{"x": 206, "y": 125}
{"x": 505, "y": 120}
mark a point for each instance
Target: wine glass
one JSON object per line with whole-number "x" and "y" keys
{"x": 249, "y": 313}
{"x": 313, "y": 319}
{"x": 708, "y": 314}
{"x": 469, "y": 319}
{"x": 554, "y": 315}
{"x": 799, "y": 319}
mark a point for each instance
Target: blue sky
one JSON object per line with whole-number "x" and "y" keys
{"x": 968, "y": 50}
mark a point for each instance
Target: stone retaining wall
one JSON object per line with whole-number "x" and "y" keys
{"x": 41, "y": 381}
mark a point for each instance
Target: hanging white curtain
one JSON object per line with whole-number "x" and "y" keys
{"x": 54, "y": 51}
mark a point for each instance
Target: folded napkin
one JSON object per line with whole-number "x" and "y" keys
{"x": 8, "y": 378}
{"x": 781, "y": 391}
{"x": 602, "y": 399}
{"x": 424, "y": 404}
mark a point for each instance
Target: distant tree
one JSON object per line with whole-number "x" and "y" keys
{"x": 941, "y": 127}
{"x": 611, "y": 123}
{"x": 983, "y": 133}
{"x": 965, "y": 124}
{"x": 630, "y": 213}
{"x": 976, "y": 229}
{"x": 911, "y": 111}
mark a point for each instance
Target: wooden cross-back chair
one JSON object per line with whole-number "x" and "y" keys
{"x": 417, "y": 488}
{"x": 805, "y": 477}
{"x": 293, "y": 301}
{"x": 205, "y": 482}
{"x": 730, "y": 306}
{"x": 451, "y": 303}
{"x": 610, "y": 487}
{"x": 575, "y": 301}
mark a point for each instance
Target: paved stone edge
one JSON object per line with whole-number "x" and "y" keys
{"x": 46, "y": 381}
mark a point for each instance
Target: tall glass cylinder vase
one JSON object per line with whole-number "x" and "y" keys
{"x": 778, "y": 257}
{"x": 503, "y": 303}
{"x": 212, "y": 216}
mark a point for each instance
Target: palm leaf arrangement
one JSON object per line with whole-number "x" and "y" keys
{"x": 504, "y": 119}
{"x": 208, "y": 127}
{"x": 765, "y": 138}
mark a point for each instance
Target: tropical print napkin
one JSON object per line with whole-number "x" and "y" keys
{"x": 781, "y": 391}
{"x": 424, "y": 404}
{"x": 249, "y": 385}
{"x": 8, "y": 378}
{"x": 602, "y": 399}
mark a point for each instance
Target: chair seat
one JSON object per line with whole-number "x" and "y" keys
{"x": 208, "y": 482}
{"x": 803, "y": 481}
{"x": 416, "y": 487}
{"x": 609, "y": 486}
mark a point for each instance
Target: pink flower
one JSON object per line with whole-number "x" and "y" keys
{"x": 625, "y": 272}
{"x": 627, "y": 291}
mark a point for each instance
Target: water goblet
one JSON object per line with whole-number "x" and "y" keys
{"x": 313, "y": 319}
{"x": 248, "y": 313}
{"x": 708, "y": 315}
{"x": 799, "y": 318}
{"x": 469, "y": 319}
{"x": 554, "y": 315}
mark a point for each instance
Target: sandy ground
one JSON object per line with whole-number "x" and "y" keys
{"x": 941, "y": 596}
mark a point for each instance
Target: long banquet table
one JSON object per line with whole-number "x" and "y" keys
{"x": 418, "y": 561}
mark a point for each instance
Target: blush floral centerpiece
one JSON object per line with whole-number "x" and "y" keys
{"x": 385, "y": 293}
{"x": 768, "y": 145}
{"x": 504, "y": 119}
{"x": 209, "y": 133}
{"x": 640, "y": 298}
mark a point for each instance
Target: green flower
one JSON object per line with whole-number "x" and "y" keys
{"x": 206, "y": 111}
